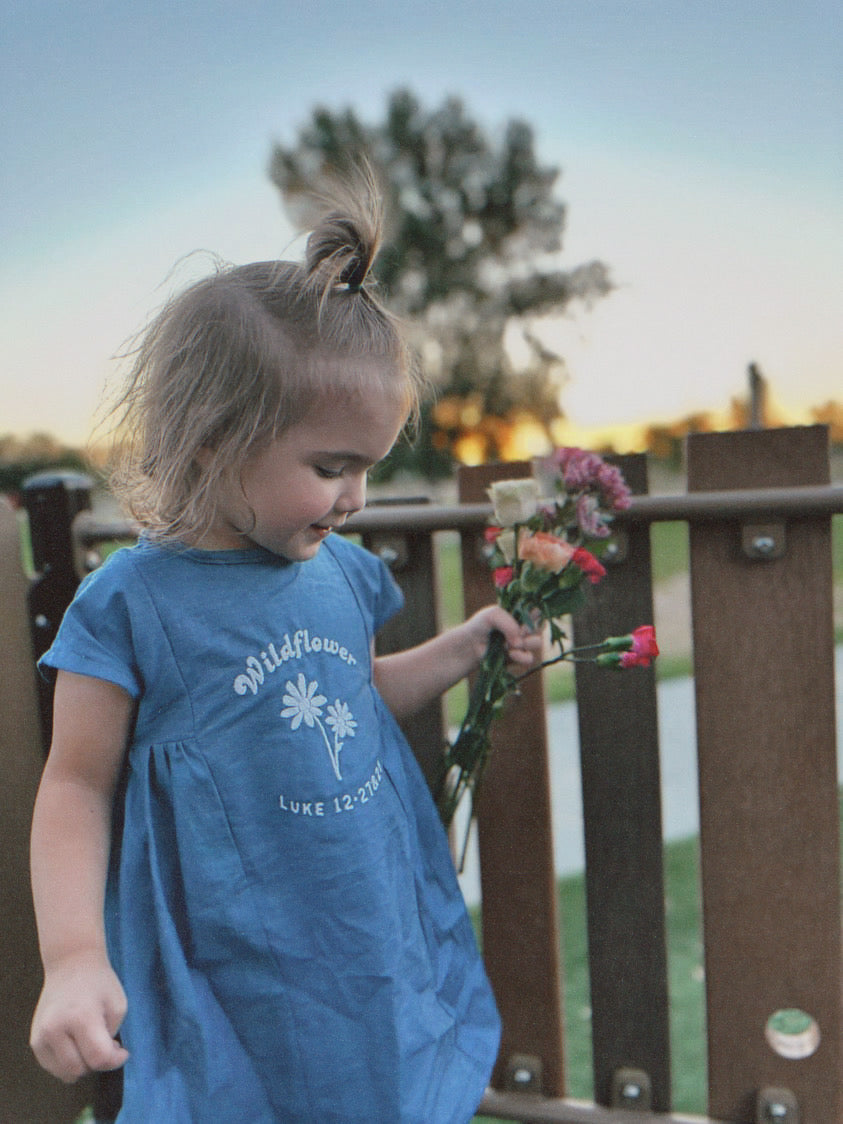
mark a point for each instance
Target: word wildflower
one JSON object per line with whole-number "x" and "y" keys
{"x": 544, "y": 549}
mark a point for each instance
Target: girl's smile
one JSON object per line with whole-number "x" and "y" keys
{"x": 304, "y": 484}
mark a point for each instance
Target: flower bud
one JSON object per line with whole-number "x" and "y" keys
{"x": 619, "y": 643}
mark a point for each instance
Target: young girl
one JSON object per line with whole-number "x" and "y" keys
{"x": 243, "y": 892}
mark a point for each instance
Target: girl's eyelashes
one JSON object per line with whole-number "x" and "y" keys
{"x": 336, "y": 473}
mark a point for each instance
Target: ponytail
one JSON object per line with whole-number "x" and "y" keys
{"x": 342, "y": 248}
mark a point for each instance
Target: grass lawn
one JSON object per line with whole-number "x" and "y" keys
{"x": 685, "y": 979}
{"x": 685, "y": 972}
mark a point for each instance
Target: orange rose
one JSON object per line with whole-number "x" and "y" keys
{"x": 545, "y": 551}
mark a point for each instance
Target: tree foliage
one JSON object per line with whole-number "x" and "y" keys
{"x": 470, "y": 259}
{"x": 21, "y": 457}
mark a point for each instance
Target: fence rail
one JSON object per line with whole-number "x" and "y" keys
{"x": 680, "y": 508}
{"x": 759, "y": 509}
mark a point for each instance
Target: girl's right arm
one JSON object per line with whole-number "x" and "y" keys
{"x": 82, "y": 1003}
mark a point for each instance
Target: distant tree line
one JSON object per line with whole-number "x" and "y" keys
{"x": 665, "y": 441}
{"x": 21, "y": 457}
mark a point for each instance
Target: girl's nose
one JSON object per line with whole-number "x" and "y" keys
{"x": 353, "y": 495}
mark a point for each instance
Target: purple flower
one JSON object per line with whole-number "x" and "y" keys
{"x": 590, "y": 517}
{"x": 613, "y": 487}
{"x": 582, "y": 471}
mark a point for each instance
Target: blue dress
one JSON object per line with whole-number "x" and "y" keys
{"x": 281, "y": 905}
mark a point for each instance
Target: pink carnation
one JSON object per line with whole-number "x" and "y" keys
{"x": 589, "y": 565}
{"x": 503, "y": 575}
{"x": 644, "y": 644}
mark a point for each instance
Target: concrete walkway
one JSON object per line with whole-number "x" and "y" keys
{"x": 677, "y": 740}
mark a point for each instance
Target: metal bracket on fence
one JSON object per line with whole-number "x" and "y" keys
{"x": 391, "y": 549}
{"x": 631, "y": 1088}
{"x": 777, "y": 1106}
{"x": 523, "y": 1074}
{"x": 616, "y": 549}
{"x": 763, "y": 541}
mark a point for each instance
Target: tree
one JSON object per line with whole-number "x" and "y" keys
{"x": 830, "y": 413}
{"x": 470, "y": 259}
{"x": 21, "y": 457}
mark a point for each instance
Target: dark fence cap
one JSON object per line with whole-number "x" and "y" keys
{"x": 51, "y": 478}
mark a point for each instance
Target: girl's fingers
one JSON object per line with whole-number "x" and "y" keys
{"x": 526, "y": 650}
{"x": 524, "y": 644}
{"x": 72, "y": 1055}
{"x": 62, "y": 1059}
{"x": 100, "y": 1051}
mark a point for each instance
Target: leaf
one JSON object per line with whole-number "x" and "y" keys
{"x": 557, "y": 634}
{"x": 562, "y": 602}
{"x": 532, "y": 578}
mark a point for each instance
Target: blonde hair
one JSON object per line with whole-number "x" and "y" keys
{"x": 240, "y": 356}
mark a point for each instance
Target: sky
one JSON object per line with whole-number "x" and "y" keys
{"x": 700, "y": 147}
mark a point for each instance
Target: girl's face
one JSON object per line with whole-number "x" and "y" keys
{"x": 293, "y": 492}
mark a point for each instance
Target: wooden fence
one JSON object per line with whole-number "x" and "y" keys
{"x": 759, "y": 507}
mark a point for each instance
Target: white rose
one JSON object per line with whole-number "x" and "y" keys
{"x": 514, "y": 501}
{"x": 505, "y": 543}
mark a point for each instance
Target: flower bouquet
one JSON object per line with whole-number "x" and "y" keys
{"x": 544, "y": 548}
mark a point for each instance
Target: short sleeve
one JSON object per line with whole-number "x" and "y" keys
{"x": 95, "y": 636}
{"x": 374, "y": 586}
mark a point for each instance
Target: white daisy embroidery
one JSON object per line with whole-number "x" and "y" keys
{"x": 304, "y": 705}
{"x": 340, "y": 720}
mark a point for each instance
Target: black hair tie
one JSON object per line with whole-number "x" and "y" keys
{"x": 354, "y": 274}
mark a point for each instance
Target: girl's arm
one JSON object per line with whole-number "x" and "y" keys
{"x": 408, "y": 680}
{"x": 82, "y": 1003}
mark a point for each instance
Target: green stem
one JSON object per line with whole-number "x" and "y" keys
{"x": 571, "y": 655}
{"x": 470, "y": 748}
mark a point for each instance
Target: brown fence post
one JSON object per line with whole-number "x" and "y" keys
{"x": 619, "y": 750}
{"x": 764, "y": 668}
{"x": 27, "y": 1093}
{"x": 52, "y": 500}
{"x": 520, "y": 913}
